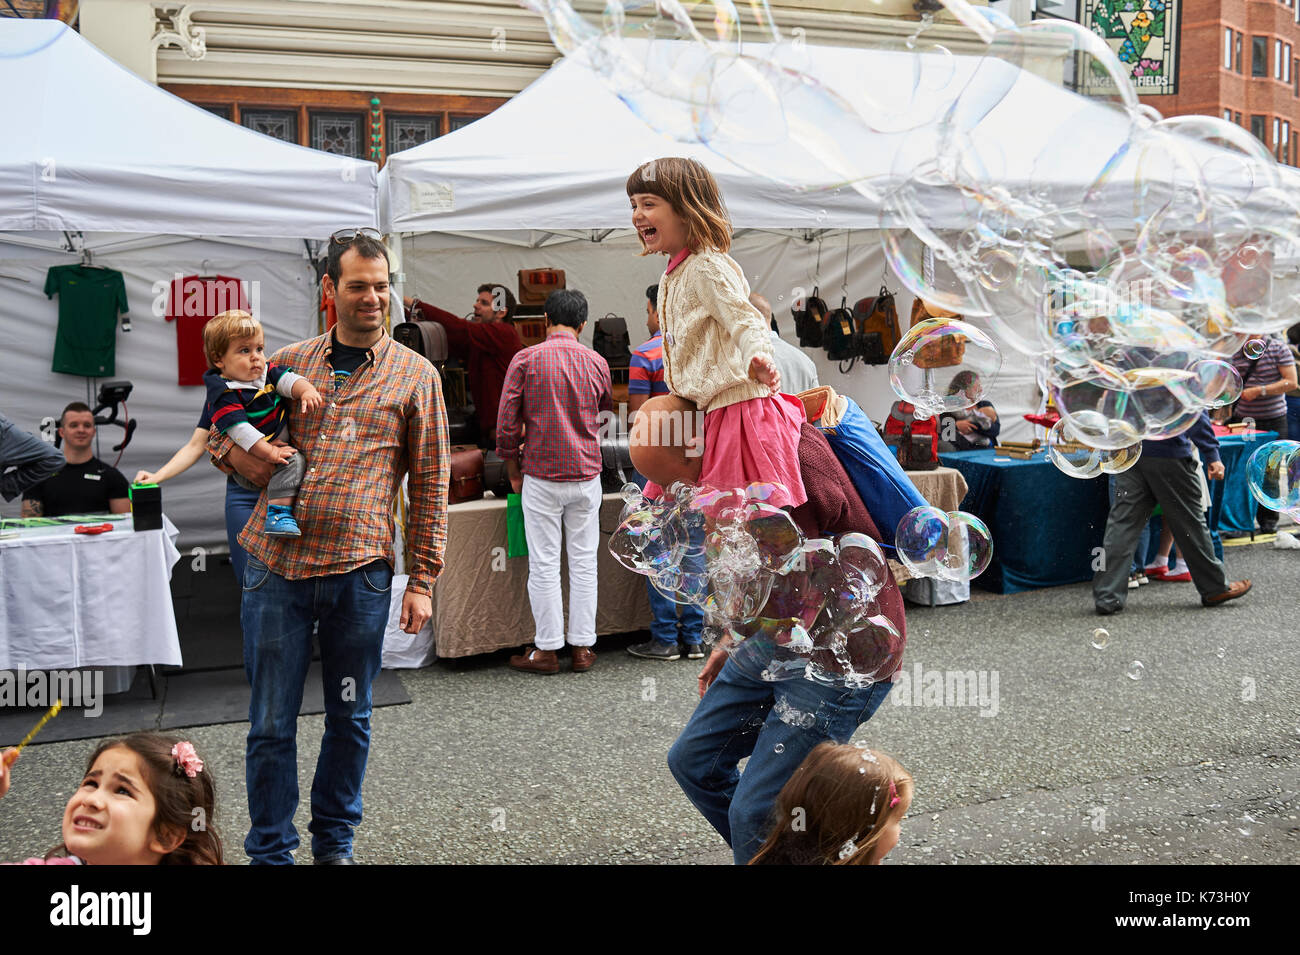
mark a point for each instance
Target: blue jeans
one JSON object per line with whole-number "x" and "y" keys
{"x": 736, "y": 719}
{"x": 666, "y": 625}
{"x": 278, "y": 615}
{"x": 240, "y": 502}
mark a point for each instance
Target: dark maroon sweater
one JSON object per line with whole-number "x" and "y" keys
{"x": 834, "y": 507}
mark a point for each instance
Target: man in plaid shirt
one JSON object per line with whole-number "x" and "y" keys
{"x": 554, "y": 393}
{"x": 383, "y": 419}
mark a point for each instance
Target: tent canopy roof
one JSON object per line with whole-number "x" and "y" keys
{"x": 95, "y": 148}
{"x": 557, "y": 156}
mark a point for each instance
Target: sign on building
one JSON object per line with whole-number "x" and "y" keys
{"x": 1144, "y": 36}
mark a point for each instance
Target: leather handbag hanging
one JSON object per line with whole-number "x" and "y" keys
{"x": 610, "y": 341}
{"x": 839, "y": 337}
{"x": 808, "y": 321}
{"x": 466, "y": 482}
{"x": 536, "y": 284}
{"x": 878, "y": 330}
{"x": 944, "y": 353}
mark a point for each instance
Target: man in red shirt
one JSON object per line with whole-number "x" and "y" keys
{"x": 554, "y": 392}
{"x": 485, "y": 344}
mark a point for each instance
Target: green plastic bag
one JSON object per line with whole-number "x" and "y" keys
{"x": 516, "y": 542}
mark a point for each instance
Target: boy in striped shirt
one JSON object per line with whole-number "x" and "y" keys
{"x": 248, "y": 401}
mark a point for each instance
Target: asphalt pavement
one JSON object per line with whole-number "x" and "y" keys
{"x": 1064, "y": 758}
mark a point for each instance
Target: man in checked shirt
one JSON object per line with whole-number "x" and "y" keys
{"x": 383, "y": 418}
{"x": 554, "y": 392}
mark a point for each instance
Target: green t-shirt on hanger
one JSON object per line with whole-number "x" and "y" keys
{"x": 90, "y": 300}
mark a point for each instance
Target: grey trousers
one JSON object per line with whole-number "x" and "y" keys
{"x": 284, "y": 482}
{"x": 1174, "y": 485}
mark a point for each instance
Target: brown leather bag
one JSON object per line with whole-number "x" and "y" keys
{"x": 536, "y": 284}
{"x": 945, "y": 353}
{"x": 466, "y": 482}
{"x": 877, "y": 328}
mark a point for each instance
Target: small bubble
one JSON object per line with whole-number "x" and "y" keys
{"x": 1100, "y": 638}
{"x": 1253, "y": 348}
{"x": 779, "y": 748}
{"x": 1136, "y": 670}
{"x": 862, "y": 769}
{"x": 1220, "y": 652}
{"x": 1248, "y": 256}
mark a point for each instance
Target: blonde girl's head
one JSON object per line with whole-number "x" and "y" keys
{"x": 692, "y": 194}
{"x": 843, "y": 806}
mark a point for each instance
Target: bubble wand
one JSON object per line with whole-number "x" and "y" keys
{"x": 52, "y": 712}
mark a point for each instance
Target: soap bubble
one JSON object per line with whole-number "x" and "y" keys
{"x": 943, "y": 365}
{"x": 1253, "y": 348}
{"x": 779, "y": 748}
{"x": 800, "y": 608}
{"x": 921, "y": 540}
{"x": 1100, "y": 638}
{"x": 1273, "y": 473}
{"x": 1078, "y": 460}
{"x": 1136, "y": 670}
{"x": 949, "y": 546}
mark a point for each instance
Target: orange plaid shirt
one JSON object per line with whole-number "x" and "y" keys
{"x": 388, "y": 419}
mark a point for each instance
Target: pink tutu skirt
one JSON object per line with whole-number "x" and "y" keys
{"x": 754, "y": 440}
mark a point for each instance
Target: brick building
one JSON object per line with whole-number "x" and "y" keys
{"x": 1240, "y": 59}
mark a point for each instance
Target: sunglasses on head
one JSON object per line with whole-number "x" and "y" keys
{"x": 344, "y": 236}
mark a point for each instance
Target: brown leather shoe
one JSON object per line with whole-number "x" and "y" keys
{"x": 584, "y": 658}
{"x": 1238, "y": 588}
{"x": 533, "y": 660}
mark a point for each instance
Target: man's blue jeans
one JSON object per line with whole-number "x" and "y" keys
{"x": 740, "y": 716}
{"x": 240, "y": 503}
{"x": 278, "y": 616}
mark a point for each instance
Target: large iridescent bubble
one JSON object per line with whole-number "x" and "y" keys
{"x": 949, "y": 545}
{"x": 1273, "y": 473}
{"x": 802, "y": 608}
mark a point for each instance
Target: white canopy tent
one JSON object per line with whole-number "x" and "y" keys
{"x": 155, "y": 188}
{"x": 547, "y": 171}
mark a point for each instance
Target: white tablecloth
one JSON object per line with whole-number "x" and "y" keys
{"x": 76, "y": 600}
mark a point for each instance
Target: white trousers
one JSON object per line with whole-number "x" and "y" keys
{"x": 574, "y": 506}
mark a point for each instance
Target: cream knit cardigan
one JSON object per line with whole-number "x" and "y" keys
{"x": 711, "y": 332}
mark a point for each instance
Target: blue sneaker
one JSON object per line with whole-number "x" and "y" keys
{"x": 281, "y": 525}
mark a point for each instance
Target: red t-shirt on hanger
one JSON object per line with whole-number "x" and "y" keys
{"x": 194, "y": 300}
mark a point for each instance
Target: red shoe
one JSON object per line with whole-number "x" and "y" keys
{"x": 1182, "y": 577}
{"x": 1162, "y": 574}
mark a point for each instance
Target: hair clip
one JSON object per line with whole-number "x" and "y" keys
{"x": 187, "y": 760}
{"x": 893, "y": 795}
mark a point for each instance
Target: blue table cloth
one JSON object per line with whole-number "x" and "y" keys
{"x": 1233, "y": 509}
{"x": 1046, "y": 525}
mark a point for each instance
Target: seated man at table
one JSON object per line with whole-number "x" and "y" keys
{"x": 1165, "y": 474}
{"x": 554, "y": 391}
{"x": 85, "y": 484}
